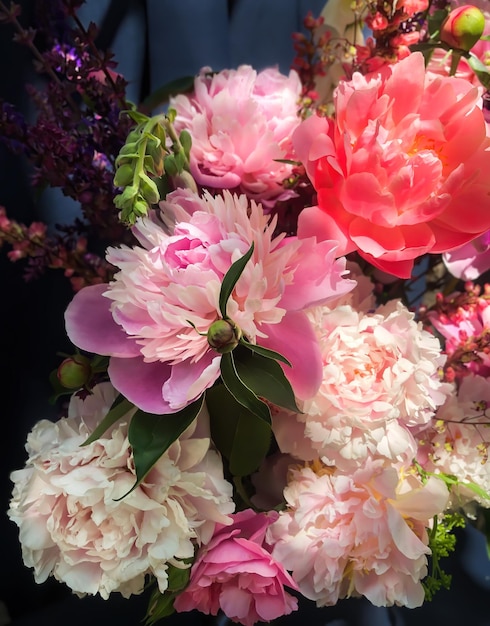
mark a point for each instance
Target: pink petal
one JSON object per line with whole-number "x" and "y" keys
{"x": 188, "y": 380}
{"x": 141, "y": 383}
{"x": 91, "y": 327}
{"x": 294, "y": 338}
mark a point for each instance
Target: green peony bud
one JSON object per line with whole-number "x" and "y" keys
{"x": 463, "y": 27}
{"x": 74, "y": 372}
{"x": 223, "y": 336}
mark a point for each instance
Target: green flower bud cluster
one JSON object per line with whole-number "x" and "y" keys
{"x": 145, "y": 159}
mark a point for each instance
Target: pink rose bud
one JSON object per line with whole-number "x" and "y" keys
{"x": 223, "y": 336}
{"x": 463, "y": 27}
{"x": 74, "y": 372}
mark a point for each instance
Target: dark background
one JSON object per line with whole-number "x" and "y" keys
{"x": 155, "y": 41}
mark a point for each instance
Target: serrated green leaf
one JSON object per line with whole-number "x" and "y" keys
{"x": 270, "y": 354}
{"x": 264, "y": 376}
{"x": 150, "y": 436}
{"x": 119, "y": 407}
{"x": 240, "y": 436}
{"x": 240, "y": 391}
{"x": 230, "y": 279}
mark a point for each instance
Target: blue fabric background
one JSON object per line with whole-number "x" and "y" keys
{"x": 163, "y": 40}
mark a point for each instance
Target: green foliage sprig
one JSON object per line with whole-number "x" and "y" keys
{"x": 153, "y": 151}
{"x": 442, "y": 541}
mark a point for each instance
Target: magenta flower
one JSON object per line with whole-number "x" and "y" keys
{"x": 403, "y": 168}
{"x": 236, "y": 573}
{"x": 241, "y": 121}
{"x": 153, "y": 318}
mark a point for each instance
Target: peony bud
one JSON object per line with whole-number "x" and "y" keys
{"x": 463, "y": 27}
{"x": 223, "y": 336}
{"x": 74, "y": 372}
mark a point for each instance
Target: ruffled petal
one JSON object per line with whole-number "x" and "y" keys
{"x": 91, "y": 327}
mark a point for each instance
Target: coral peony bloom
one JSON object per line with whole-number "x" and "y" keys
{"x": 72, "y": 525}
{"x": 360, "y": 534}
{"x": 241, "y": 121}
{"x": 236, "y": 573}
{"x": 149, "y": 319}
{"x": 403, "y": 168}
{"x": 380, "y": 384}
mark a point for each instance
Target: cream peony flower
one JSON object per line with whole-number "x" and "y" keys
{"x": 362, "y": 534}
{"x": 380, "y": 383}
{"x": 72, "y": 525}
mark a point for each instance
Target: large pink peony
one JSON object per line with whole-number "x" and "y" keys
{"x": 357, "y": 534}
{"x": 236, "y": 573}
{"x": 403, "y": 168}
{"x": 241, "y": 122}
{"x": 72, "y": 524}
{"x": 166, "y": 293}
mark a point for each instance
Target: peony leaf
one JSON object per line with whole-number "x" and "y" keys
{"x": 230, "y": 279}
{"x": 480, "y": 69}
{"x": 264, "y": 376}
{"x": 240, "y": 391}
{"x": 241, "y": 437}
{"x": 270, "y": 354}
{"x": 119, "y": 407}
{"x": 151, "y": 435}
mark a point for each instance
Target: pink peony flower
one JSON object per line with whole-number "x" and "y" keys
{"x": 380, "y": 383}
{"x": 241, "y": 121}
{"x": 463, "y": 320}
{"x": 402, "y": 170}
{"x": 236, "y": 573}
{"x": 144, "y": 319}
{"x": 458, "y": 441}
{"x": 471, "y": 260}
{"x": 361, "y": 534}
{"x": 72, "y": 525}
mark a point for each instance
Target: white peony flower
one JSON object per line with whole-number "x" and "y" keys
{"x": 72, "y": 525}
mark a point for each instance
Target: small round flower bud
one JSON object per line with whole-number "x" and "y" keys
{"x": 223, "y": 336}
{"x": 74, "y": 372}
{"x": 463, "y": 27}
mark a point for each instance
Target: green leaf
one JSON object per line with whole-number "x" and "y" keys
{"x": 230, "y": 279}
{"x": 240, "y": 391}
{"x": 240, "y": 436}
{"x": 479, "y": 491}
{"x": 265, "y": 378}
{"x": 163, "y": 93}
{"x": 119, "y": 407}
{"x": 480, "y": 70}
{"x": 170, "y": 166}
{"x": 151, "y": 435}
{"x": 270, "y": 354}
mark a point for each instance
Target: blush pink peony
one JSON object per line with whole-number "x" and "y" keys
{"x": 363, "y": 533}
{"x": 402, "y": 170}
{"x": 72, "y": 525}
{"x": 165, "y": 296}
{"x": 241, "y": 122}
{"x": 380, "y": 383}
{"x": 235, "y": 573}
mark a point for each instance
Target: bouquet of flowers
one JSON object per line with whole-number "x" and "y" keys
{"x": 262, "y": 401}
